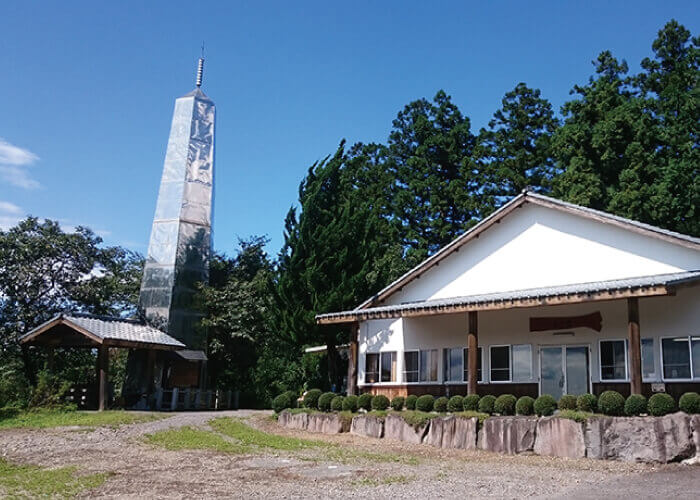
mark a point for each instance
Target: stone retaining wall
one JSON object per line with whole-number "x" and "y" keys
{"x": 326, "y": 423}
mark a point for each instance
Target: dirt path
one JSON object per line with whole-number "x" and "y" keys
{"x": 361, "y": 468}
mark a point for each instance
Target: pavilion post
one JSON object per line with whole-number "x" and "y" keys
{"x": 352, "y": 359}
{"x": 102, "y": 370}
{"x": 635, "y": 345}
{"x": 472, "y": 352}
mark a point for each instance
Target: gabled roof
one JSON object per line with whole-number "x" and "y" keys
{"x": 102, "y": 330}
{"x": 537, "y": 199}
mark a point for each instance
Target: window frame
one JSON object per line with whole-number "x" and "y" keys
{"x": 510, "y": 364}
{"x": 420, "y": 364}
{"x": 600, "y": 361}
{"x": 378, "y": 367}
{"x": 417, "y": 370}
{"x": 655, "y": 375}
{"x": 693, "y": 376}
{"x": 531, "y": 363}
{"x": 381, "y": 371}
{"x": 452, "y": 382}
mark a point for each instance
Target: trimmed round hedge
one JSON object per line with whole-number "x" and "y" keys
{"x": 455, "y": 404}
{"x": 365, "y": 401}
{"x": 545, "y": 405}
{"x": 350, "y": 403}
{"x": 425, "y": 403}
{"x": 471, "y": 402}
{"x": 411, "y": 402}
{"x": 440, "y": 404}
{"x": 661, "y": 404}
{"x": 689, "y": 402}
{"x": 587, "y": 402}
{"x": 311, "y": 398}
{"x": 611, "y": 403}
{"x": 486, "y": 404}
{"x": 636, "y": 404}
{"x": 505, "y": 404}
{"x": 282, "y": 402}
{"x": 337, "y": 403}
{"x": 567, "y": 402}
{"x": 324, "y": 401}
{"x": 525, "y": 406}
{"x": 380, "y": 402}
{"x": 397, "y": 403}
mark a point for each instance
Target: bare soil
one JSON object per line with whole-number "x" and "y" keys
{"x": 139, "y": 469}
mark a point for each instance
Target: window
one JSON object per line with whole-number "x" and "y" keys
{"x": 613, "y": 360}
{"x": 410, "y": 366}
{"x": 500, "y": 363}
{"x": 388, "y": 366}
{"x": 479, "y": 375}
{"x": 371, "y": 368}
{"x": 428, "y": 366}
{"x": 522, "y": 362}
{"x": 648, "y": 367}
{"x": 452, "y": 364}
{"x": 681, "y": 357}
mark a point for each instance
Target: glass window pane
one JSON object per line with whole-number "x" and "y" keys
{"x": 500, "y": 363}
{"x": 648, "y": 368}
{"x": 388, "y": 367}
{"x": 371, "y": 368}
{"x": 479, "y": 377}
{"x": 612, "y": 360}
{"x": 676, "y": 357}
{"x": 695, "y": 348}
{"x": 428, "y": 365}
{"x": 452, "y": 365}
{"x": 522, "y": 362}
{"x": 410, "y": 365}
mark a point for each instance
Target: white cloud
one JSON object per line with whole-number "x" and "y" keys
{"x": 14, "y": 165}
{"x": 9, "y": 208}
{"x": 10, "y": 215}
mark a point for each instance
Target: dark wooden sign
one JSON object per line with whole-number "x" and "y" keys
{"x": 594, "y": 321}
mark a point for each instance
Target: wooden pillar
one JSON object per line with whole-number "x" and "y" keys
{"x": 353, "y": 358}
{"x": 472, "y": 352}
{"x": 635, "y": 344}
{"x": 103, "y": 368}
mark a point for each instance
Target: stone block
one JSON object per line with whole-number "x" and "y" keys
{"x": 366, "y": 425}
{"x": 452, "y": 432}
{"x": 327, "y": 423}
{"x": 508, "y": 435}
{"x": 299, "y": 421}
{"x": 396, "y": 427}
{"x": 559, "y": 437}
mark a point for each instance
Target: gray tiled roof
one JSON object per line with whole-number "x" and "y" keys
{"x": 532, "y": 293}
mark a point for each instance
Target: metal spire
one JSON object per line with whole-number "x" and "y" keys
{"x": 200, "y": 68}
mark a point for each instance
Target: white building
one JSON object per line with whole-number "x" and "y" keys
{"x": 560, "y": 299}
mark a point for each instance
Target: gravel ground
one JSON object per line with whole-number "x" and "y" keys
{"x": 139, "y": 469}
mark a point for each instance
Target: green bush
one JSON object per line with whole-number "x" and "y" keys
{"x": 311, "y": 398}
{"x": 661, "y": 404}
{"x": 636, "y": 404}
{"x": 611, "y": 403}
{"x": 471, "y": 402}
{"x": 337, "y": 403}
{"x": 365, "y": 401}
{"x": 587, "y": 403}
{"x": 324, "y": 401}
{"x": 411, "y": 402}
{"x": 350, "y": 403}
{"x": 9, "y": 412}
{"x": 505, "y": 404}
{"x": 440, "y": 404}
{"x": 567, "y": 402}
{"x": 380, "y": 402}
{"x": 455, "y": 404}
{"x": 425, "y": 403}
{"x": 397, "y": 403}
{"x": 545, "y": 405}
{"x": 486, "y": 404}
{"x": 49, "y": 392}
{"x": 282, "y": 402}
{"x": 525, "y": 406}
{"x": 293, "y": 397}
{"x": 689, "y": 402}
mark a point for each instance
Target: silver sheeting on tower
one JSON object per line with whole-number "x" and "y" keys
{"x": 180, "y": 245}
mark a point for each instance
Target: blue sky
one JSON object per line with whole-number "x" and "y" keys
{"x": 88, "y": 90}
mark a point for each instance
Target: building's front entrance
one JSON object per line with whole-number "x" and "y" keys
{"x": 564, "y": 370}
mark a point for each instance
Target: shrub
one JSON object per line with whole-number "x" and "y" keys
{"x": 293, "y": 397}
{"x": 545, "y": 405}
{"x": 282, "y": 402}
{"x": 471, "y": 402}
{"x": 380, "y": 402}
{"x": 49, "y": 391}
{"x": 455, "y": 404}
{"x": 505, "y": 404}
{"x": 411, "y": 402}
{"x": 661, "y": 404}
{"x": 324, "y": 401}
{"x": 397, "y": 403}
{"x": 365, "y": 401}
{"x": 350, "y": 403}
{"x": 636, "y": 404}
{"x": 9, "y": 412}
{"x": 311, "y": 398}
{"x": 486, "y": 404}
{"x": 689, "y": 402}
{"x": 425, "y": 403}
{"x": 337, "y": 403}
{"x": 611, "y": 403}
{"x": 587, "y": 403}
{"x": 567, "y": 402}
{"x": 525, "y": 406}
{"x": 440, "y": 404}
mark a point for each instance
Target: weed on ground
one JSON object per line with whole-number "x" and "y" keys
{"x": 28, "y": 481}
{"x": 40, "y": 419}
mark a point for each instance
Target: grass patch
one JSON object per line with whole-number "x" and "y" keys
{"x": 248, "y": 436}
{"x": 416, "y": 418}
{"x": 472, "y": 414}
{"x": 41, "y": 419}
{"x": 351, "y": 455}
{"x": 187, "y": 438}
{"x": 380, "y": 481}
{"x": 28, "y": 481}
{"x": 578, "y": 416}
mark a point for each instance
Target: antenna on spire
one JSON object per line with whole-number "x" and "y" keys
{"x": 200, "y": 68}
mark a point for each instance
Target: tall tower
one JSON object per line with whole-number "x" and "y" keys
{"x": 180, "y": 244}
